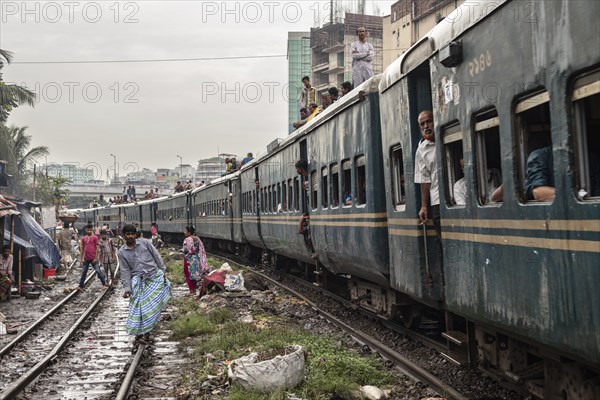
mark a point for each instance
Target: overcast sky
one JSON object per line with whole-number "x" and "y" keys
{"x": 147, "y": 113}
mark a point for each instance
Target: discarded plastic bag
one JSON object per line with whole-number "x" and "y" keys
{"x": 284, "y": 371}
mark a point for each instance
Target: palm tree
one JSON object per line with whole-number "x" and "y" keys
{"x": 12, "y": 96}
{"x": 14, "y": 148}
{"x": 18, "y": 152}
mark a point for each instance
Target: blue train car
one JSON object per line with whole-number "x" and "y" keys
{"x": 519, "y": 270}
{"x": 147, "y": 215}
{"x": 130, "y": 213}
{"x": 172, "y": 216}
{"x": 109, "y": 215}
{"x": 274, "y": 202}
{"x": 346, "y": 192}
{"x": 214, "y": 215}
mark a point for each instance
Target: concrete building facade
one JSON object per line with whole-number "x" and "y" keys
{"x": 409, "y": 21}
{"x": 71, "y": 172}
{"x": 209, "y": 169}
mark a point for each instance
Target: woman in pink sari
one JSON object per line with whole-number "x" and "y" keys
{"x": 195, "y": 263}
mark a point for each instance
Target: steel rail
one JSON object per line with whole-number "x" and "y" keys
{"x": 20, "y": 384}
{"x": 432, "y": 343}
{"x": 128, "y": 380}
{"x": 7, "y": 348}
{"x": 404, "y": 364}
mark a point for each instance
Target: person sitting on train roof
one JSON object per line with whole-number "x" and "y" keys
{"x": 303, "y": 118}
{"x": 539, "y": 175}
{"x": 313, "y": 110}
{"x": 346, "y": 88}
{"x": 247, "y": 159}
{"x": 234, "y": 165}
{"x": 334, "y": 94}
{"x": 179, "y": 187}
{"x": 189, "y": 185}
{"x": 426, "y": 169}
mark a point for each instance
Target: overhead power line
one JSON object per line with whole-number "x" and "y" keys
{"x": 150, "y": 60}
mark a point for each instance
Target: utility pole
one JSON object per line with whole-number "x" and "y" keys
{"x": 114, "y": 167}
{"x": 180, "y": 167}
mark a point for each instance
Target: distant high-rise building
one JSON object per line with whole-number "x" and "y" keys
{"x": 71, "y": 172}
{"x": 209, "y": 169}
{"x": 298, "y": 55}
{"x": 330, "y": 45}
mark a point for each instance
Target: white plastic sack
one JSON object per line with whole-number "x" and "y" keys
{"x": 234, "y": 282}
{"x": 280, "y": 372}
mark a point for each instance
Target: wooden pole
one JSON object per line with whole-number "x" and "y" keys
{"x": 20, "y": 269}
{"x": 12, "y": 233}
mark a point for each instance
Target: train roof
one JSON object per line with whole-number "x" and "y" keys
{"x": 467, "y": 15}
{"x": 216, "y": 181}
{"x": 356, "y": 95}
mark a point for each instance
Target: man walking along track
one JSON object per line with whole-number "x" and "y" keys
{"x": 145, "y": 283}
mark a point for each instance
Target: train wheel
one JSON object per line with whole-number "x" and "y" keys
{"x": 411, "y": 316}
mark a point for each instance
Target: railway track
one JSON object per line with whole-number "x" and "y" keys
{"x": 78, "y": 349}
{"x": 392, "y": 357}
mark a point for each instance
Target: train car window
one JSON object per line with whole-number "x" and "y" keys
{"x": 398, "y": 178}
{"x": 361, "y": 180}
{"x": 314, "y": 201}
{"x": 324, "y": 187}
{"x": 278, "y": 202}
{"x": 456, "y": 189}
{"x": 586, "y": 103}
{"x": 284, "y": 197}
{"x": 290, "y": 201}
{"x": 267, "y": 206}
{"x": 487, "y": 153}
{"x": 535, "y": 170}
{"x": 335, "y": 185}
{"x": 296, "y": 194}
{"x": 347, "y": 183}
{"x": 273, "y": 198}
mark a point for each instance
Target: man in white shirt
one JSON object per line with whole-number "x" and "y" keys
{"x": 362, "y": 58}
{"x": 426, "y": 168}
{"x": 426, "y": 176}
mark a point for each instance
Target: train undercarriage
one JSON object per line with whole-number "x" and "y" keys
{"x": 530, "y": 369}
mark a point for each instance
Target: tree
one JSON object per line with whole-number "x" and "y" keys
{"x": 50, "y": 190}
{"x": 12, "y": 96}
{"x": 14, "y": 148}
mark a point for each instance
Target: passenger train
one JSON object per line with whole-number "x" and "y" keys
{"x": 515, "y": 286}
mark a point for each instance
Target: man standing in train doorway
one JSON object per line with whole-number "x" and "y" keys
{"x": 362, "y": 53}
{"x": 143, "y": 273}
{"x": 426, "y": 177}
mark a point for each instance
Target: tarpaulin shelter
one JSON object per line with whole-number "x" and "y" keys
{"x": 46, "y": 249}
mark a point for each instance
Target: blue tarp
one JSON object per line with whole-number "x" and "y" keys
{"x": 47, "y": 250}
{"x": 29, "y": 248}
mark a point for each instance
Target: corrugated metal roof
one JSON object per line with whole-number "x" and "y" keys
{"x": 7, "y": 207}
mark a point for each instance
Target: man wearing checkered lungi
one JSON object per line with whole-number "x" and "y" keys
{"x": 145, "y": 283}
